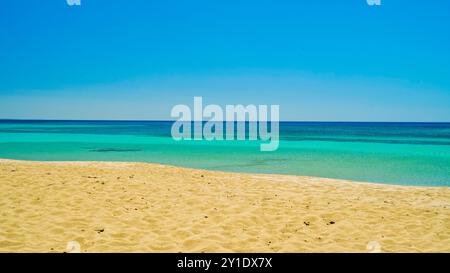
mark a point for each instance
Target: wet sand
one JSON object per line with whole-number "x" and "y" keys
{"x": 139, "y": 207}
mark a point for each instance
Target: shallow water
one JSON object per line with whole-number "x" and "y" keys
{"x": 395, "y": 153}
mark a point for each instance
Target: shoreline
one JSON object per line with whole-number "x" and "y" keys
{"x": 148, "y": 207}
{"x": 324, "y": 179}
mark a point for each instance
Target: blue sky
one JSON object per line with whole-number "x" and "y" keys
{"x": 319, "y": 60}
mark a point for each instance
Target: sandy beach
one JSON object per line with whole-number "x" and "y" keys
{"x": 139, "y": 207}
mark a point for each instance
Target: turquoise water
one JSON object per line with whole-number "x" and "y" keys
{"x": 394, "y": 153}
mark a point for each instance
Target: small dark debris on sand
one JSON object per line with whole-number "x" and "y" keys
{"x": 100, "y": 230}
{"x": 91, "y": 177}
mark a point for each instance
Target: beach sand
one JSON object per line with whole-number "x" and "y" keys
{"x": 139, "y": 207}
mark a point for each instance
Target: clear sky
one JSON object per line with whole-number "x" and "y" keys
{"x": 318, "y": 59}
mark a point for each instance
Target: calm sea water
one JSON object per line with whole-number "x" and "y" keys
{"x": 394, "y": 153}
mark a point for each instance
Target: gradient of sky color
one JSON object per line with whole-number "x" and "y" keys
{"x": 319, "y": 59}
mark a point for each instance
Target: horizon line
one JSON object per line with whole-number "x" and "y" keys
{"x": 171, "y": 120}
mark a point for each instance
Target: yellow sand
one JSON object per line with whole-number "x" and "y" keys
{"x": 137, "y": 207}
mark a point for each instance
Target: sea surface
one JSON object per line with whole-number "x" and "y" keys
{"x": 392, "y": 153}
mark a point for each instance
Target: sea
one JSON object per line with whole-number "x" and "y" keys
{"x": 380, "y": 152}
